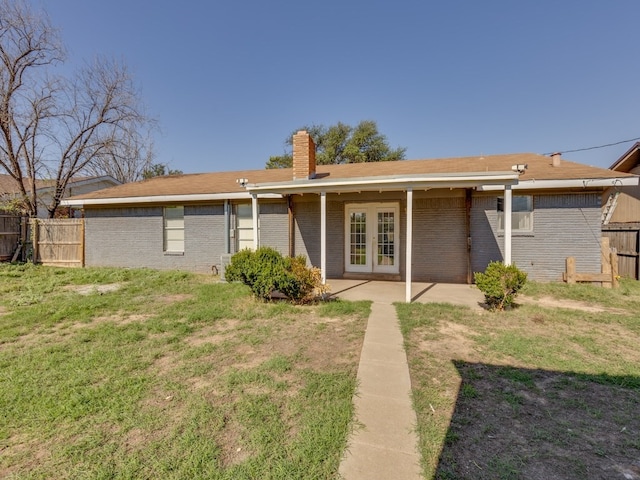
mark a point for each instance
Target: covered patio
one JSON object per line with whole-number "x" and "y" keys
{"x": 421, "y": 292}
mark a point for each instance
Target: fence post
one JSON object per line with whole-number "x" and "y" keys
{"x": 605, "y": 259}
{"x": 35, "y": 234}
{"x": 614, "y": 269}
{"x": 571, "y": 270}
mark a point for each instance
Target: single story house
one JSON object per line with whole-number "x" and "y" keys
{"x": 425, "y": 220}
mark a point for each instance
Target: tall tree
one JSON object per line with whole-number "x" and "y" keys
{"x": 342, "y": 143}
{"x": 52, "y": 127}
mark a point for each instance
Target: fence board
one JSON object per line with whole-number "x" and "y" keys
{"x": 60, "y": 242}
{"x": 625, "y": 239}
{"x": 9, "y": 236}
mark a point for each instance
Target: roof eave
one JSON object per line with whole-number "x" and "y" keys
{"x": 569, "y": 183}
{"x": 187, "y": 198}
{"x": 391, "y": 183}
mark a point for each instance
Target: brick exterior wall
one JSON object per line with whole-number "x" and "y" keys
{"x": 563, "y": 225}
{"x": 439, "y": 240}
{"x": 133, "y": 237}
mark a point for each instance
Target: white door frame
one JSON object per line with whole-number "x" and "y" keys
{"x": 371, "y": 242}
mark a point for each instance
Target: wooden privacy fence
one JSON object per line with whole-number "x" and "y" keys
{"x": 625, "y": 239}
{"x": 10, "y": 235}
{"x": 58, "y": 242}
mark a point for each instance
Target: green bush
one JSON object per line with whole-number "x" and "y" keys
{"x": 500, "y": 284}
{"x": 266, "y": 271}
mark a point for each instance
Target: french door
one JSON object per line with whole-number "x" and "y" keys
{"x": 371, "y": 238}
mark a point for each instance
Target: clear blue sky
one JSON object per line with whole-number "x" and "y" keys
{"x": 229, "y": 80}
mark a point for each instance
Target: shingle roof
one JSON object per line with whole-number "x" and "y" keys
{"x": 539, "y": 168}
{"x": 8, "y": 184}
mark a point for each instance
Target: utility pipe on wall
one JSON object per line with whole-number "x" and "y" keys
{"x": 227, "y": 227}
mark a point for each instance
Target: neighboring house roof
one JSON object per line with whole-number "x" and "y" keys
{"x": 206, "y": 186}
{"x": 628, "y": 161}
{"x": 8, "y": 184}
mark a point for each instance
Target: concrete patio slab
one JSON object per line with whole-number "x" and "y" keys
{"x": 390, "y": 292}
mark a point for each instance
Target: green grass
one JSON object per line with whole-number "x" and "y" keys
{"x": 170, "y": 376}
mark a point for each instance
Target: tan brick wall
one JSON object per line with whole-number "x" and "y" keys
{"x": 304, "y": 156}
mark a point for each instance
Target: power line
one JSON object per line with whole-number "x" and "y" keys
{"x": 596, "y": 147}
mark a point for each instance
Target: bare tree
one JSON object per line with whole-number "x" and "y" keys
{"x": 57, "y": 128}
{"x": 128, "y": 161}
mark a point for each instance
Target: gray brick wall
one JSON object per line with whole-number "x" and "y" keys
{"x": 274, "y": 225}
{"x": 439, "y": 240}
{"x": 563, "y": 225}
{"x": 133, "y": 237}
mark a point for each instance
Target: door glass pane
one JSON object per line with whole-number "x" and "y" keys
{"x": 386, "y": 253}
{"x": 358, "y": 240}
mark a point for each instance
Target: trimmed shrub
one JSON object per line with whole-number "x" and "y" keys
{"x": 500, "y": 284}
{"x": 266, "y": 271}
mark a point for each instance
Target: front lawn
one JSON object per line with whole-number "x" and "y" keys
{"x": 114, "y": 373}
{"x": 548, "y": 390}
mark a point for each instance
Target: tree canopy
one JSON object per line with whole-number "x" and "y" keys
{"x": 57, "y": 128}
{"x": 342, "y": 143}
{"x": 159, "y": 170}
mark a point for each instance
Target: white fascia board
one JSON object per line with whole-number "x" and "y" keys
{"x": 575, "y": 183}
{"x": 390, "y": 183}
{"x": 163, "y": 199}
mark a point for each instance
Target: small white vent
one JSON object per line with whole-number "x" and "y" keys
{"x": 225, "y": 260}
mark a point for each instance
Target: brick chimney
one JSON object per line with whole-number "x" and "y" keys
{"x": 304, "y": 156}
{"x": 555, "y": 159}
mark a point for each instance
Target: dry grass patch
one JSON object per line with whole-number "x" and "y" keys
{"x": 535, "y": 393}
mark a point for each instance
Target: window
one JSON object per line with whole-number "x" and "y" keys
{"x": 174, "y": 229}
{"x": 521, "y": 213}
{"x": 244, "y": 226}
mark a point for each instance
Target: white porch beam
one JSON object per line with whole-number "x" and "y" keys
{"x": 507, "y": 224}
{"x": 409, "y": 239}
{"x": 254, "y": 218}
{"x": 323, "y": 237}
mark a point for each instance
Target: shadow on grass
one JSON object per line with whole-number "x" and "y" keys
{"x": 516, "y": 423}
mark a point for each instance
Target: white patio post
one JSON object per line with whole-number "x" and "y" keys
{"x": 323, "y": 237}
{"x": 254, "y": 218}
{"x": 409, "y": 240}
{"x": 507, "y": 224}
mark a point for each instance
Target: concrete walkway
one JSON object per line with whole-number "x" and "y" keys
{"x": 384, "y": 444}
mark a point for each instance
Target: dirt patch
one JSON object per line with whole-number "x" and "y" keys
{"x": 3, "y": 311}
{"x": 570, "y": 304}
{"x": 93, "y": 289}
{"x": 178, "y": 297}
{"x": 452, "y": 339}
